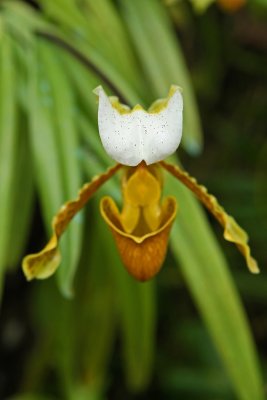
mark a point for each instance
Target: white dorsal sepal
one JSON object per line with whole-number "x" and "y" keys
{"x": 131, "y": 136}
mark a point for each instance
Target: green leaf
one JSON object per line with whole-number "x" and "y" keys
{"x": 48, "y": 172}
{"x": 23, "y": 197}
{"x": 2, "y": 27}
{"x": 84, "y": 82}
{"x": 8, "y": 148}
{"x": 163, "y": 61}
{"x": 22, "y": 20}
{"x": 90, "y": 44}
{"x": 58, "y": 337}
{"x": 84, "y": 23}
{"x": 117, "y": 46}
{"x": 91, "y": 137}
{"x": 206, "y": 273}
{"x": 23, "y": 191}
{"x": 98, "y": 314}
{"x": 67, "y": 142}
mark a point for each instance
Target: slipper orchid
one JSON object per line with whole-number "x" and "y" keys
{"x": 139, "y": 141}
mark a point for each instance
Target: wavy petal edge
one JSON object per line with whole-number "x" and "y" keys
{"x": 232, "y": 231}
{"x": 43, "y": 264}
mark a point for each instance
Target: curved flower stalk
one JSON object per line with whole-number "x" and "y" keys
{"x": 138, "y": 140}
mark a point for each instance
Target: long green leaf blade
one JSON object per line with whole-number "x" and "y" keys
{"x": 23, "y": 199}
{"x": 67, "y": 142}
{"x": 46, "y": 163}
{"x": 207, "y": 276}
{"x": 23, "y": 194}
{"x": 8, "y": 147}
{"x": 87, "y": 21}
{"x": 98, "y": 315}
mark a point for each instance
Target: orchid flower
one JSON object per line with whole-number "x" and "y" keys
{"x": 138, "y": 141}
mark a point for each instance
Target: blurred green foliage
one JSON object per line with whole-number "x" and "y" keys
{"x": 93, "y": 332}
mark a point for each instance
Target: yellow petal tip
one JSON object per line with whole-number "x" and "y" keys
{"x": 41, "y": 265}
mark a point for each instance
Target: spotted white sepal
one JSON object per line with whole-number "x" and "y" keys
{"x": 131, "y": 136}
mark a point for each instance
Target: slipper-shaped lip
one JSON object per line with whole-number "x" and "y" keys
{"x": 142, "y": 256}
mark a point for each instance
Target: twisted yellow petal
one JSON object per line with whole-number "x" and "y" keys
{"x": 43, "y": 264}
{"x": 232, "y": 231}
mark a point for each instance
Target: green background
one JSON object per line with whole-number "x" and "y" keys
{"x": 199, "y": 329}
